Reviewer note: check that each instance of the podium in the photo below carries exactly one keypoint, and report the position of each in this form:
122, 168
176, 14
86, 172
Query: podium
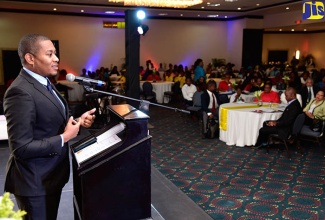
113, 181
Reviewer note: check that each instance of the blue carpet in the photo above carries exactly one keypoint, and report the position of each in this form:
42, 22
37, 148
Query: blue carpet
230, 182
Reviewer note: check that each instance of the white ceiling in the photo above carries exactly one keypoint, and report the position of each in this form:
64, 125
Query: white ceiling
225, 10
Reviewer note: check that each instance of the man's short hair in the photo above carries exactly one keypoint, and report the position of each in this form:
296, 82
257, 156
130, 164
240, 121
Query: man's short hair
211, 82
28, 44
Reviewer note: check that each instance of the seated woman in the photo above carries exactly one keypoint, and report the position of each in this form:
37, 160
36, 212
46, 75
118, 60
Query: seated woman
225, 85
238, 96
153, 76
315, 108
268, 95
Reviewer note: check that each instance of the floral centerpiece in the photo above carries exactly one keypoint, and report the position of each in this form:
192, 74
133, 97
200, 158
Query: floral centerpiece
286, 80
257, 94
6, 209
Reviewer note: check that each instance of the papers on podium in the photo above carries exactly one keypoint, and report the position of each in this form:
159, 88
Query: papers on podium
97, 144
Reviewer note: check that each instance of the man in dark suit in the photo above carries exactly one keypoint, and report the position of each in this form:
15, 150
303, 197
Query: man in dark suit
283, 125
308, 92
38, 129
210, 104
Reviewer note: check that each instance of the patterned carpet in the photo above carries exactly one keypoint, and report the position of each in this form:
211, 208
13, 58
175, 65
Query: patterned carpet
236, 183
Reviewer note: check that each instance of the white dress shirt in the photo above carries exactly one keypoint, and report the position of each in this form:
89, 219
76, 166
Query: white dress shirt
188, 91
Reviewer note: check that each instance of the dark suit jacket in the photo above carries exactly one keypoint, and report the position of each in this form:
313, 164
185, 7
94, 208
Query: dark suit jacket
304, 94
285, 122
38, 164
205, 100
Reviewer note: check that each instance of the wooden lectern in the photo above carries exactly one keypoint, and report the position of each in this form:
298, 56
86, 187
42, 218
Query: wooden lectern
111, 169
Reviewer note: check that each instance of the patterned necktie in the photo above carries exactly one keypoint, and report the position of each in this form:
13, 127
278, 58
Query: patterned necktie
309, 94
50, 89
213, 110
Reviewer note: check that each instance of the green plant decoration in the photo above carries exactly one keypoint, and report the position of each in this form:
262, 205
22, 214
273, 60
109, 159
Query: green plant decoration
6, 208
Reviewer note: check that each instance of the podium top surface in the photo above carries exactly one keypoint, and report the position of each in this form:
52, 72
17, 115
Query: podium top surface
127, 112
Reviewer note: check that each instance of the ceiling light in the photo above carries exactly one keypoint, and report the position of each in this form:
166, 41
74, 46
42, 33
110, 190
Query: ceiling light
109, 12
239, 8
305, 29
287, 8
181, 14
292, 29
82, 11
141, 14
159, 3
142, 29
208, 3
230, 0
54, 9
213, 5
202, 7
213, 16
163, 14
257, 4
280, 29
198, 15
226, 16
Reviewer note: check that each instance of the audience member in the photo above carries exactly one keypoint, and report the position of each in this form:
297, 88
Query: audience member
308, 92
210, 106
225, 85
114, 71
268, 95
238, 96
283, 125
257, 85
62, 75
188, 91
198, 70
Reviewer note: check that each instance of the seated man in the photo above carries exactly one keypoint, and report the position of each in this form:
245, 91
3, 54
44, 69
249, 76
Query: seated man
210, 106
268, 95
283, 125
188, 91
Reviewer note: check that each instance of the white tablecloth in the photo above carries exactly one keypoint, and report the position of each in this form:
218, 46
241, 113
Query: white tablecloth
243, 124
159, 88
77, 91
3, 128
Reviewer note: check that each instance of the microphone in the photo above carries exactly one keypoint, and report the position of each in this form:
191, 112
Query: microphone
84, 81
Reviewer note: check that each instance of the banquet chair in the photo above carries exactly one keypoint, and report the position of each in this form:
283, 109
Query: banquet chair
307, 134
148, 93
197, 106
286, 140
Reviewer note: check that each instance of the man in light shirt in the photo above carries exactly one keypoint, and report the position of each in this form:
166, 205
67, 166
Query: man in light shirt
188, 91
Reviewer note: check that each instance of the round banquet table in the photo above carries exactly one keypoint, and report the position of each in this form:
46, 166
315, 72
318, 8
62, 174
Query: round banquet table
239, 124
159, 88
77, 91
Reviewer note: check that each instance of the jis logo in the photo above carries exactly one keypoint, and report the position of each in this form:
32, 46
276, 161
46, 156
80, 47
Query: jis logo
313, 10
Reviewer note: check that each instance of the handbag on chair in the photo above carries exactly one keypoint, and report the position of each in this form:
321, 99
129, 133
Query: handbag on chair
317, 125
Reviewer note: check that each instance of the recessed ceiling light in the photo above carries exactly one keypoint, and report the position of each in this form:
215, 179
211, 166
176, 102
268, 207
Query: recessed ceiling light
198, 15
230, 0
213, 5
239, 8
82, 11
202, 7
208, 3
226, 16
287, 8
292, 29
163, 14
305, 29
213, 16
280, 30
181, 14
257, 4
109, 12
54, 9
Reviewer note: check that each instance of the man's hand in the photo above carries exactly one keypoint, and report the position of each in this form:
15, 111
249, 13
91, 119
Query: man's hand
71, 130
271, 123
87, 119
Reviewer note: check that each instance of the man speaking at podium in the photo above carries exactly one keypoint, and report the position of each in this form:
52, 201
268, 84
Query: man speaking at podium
39, 128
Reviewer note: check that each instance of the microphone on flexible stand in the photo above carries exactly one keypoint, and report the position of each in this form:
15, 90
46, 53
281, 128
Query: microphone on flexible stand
84, 81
